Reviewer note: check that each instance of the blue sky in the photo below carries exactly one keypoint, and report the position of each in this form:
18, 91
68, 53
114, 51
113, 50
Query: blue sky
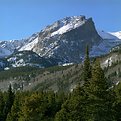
21, 18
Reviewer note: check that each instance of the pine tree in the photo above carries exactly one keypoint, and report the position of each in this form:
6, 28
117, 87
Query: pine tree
15, 110
99, 106
1, 106
73, 108
8, 103
62, 115
87, 66
98, 83
118, 102
34, 107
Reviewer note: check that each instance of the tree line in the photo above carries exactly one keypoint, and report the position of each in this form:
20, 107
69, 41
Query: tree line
96, 100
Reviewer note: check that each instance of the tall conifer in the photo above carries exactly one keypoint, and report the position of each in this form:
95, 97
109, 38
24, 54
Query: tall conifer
99, 106
8, 103
87, 67
1, 106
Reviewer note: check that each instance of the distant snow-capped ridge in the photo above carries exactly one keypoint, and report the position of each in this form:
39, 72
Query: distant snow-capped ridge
117, 34
9, 46
110, 40
106, 35
109, 35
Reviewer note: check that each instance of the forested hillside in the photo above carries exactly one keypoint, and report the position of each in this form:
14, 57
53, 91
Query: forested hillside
95, 100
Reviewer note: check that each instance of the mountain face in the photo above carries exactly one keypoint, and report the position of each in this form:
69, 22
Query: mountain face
29, 58
117, 34
9, 47
107, 35
3, 64
65, 41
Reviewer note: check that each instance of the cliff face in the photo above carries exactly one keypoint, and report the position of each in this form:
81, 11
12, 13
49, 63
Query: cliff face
67, 42
77, 39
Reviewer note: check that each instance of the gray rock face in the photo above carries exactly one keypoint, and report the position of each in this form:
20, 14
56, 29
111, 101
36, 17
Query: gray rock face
67, 40
9, 47
30, 58
64, 40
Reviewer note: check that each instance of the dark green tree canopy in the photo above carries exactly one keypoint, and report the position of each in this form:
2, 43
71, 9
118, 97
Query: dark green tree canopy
87, 66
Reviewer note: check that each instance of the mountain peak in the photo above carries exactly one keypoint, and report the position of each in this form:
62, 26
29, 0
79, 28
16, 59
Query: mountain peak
65, 40
66, 24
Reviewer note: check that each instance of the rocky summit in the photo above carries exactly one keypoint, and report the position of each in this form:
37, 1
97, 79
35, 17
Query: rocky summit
65, 40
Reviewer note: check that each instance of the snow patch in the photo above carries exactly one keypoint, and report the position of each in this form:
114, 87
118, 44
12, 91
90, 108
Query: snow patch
67, 64
117, 34
30, 45
104, 47
106, 35
7, 68
67, 28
